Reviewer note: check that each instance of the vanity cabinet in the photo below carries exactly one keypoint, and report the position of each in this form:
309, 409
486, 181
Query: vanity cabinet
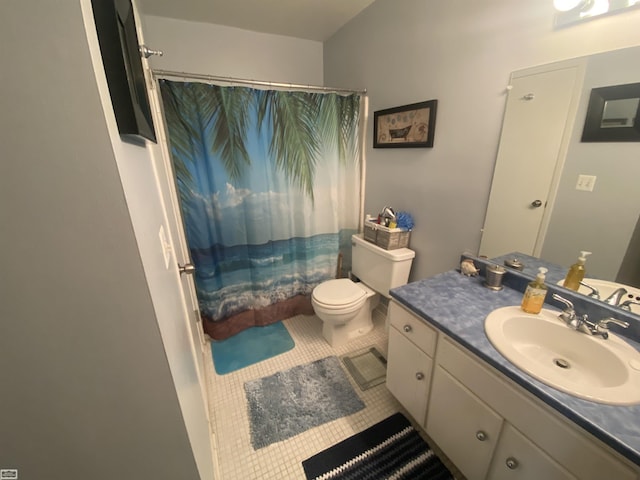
478, 440
530, 442
410, 360
488, 426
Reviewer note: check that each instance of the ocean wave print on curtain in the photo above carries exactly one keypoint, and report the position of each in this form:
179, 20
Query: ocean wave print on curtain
269, 186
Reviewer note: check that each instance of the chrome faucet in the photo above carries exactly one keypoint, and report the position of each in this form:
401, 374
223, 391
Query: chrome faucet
568, 315
616, 296
582, 323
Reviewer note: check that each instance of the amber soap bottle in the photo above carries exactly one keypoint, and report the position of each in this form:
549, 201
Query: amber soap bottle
535, 293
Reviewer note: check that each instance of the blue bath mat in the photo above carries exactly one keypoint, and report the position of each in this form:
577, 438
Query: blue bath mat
250, 346
290, 402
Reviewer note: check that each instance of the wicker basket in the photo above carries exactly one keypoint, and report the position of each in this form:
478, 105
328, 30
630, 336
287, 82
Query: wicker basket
385, 237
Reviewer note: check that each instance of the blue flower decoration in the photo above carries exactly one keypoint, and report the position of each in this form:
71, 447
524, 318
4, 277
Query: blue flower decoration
404, 220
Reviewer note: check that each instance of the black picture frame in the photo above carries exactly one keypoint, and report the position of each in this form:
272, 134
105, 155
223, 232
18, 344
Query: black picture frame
407, 126
618, 130
120, 50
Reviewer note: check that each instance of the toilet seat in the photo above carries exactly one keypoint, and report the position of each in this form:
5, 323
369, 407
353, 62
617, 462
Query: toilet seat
338, 294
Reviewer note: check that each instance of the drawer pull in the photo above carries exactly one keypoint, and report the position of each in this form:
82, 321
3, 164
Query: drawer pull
511, 463
480, 435
420, 376
407, 328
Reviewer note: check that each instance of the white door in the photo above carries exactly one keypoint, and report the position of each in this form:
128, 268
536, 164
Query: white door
535, 123
177, 254
178, 242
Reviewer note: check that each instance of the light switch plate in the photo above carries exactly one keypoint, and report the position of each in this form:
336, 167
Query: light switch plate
586, 182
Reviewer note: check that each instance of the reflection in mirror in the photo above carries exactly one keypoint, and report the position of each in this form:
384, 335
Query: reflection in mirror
619, 113
591, 200
623, 296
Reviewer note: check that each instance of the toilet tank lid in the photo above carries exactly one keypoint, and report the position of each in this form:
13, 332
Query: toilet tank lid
397, 255
341, 291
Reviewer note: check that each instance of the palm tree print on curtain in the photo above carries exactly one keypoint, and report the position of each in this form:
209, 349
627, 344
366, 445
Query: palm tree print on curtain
269, 185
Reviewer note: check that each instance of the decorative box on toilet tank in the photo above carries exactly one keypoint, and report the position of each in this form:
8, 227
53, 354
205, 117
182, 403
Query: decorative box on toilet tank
385, 237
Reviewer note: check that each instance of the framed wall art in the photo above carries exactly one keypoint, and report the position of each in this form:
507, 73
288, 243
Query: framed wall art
407, 126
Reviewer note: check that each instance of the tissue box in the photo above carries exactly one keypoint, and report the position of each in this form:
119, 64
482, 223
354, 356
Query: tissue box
385, 237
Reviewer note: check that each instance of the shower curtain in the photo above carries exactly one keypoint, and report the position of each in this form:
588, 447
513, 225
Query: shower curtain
269, 187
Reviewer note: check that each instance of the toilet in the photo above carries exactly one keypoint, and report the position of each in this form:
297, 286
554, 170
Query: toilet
345, 306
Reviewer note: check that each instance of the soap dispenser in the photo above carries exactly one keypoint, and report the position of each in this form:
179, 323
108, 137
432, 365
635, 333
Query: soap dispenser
576, 272
535, 293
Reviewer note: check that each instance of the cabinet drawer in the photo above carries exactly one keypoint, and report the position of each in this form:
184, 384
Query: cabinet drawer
579, 452
414, 328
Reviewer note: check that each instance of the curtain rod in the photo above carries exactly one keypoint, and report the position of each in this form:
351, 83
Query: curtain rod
199, 76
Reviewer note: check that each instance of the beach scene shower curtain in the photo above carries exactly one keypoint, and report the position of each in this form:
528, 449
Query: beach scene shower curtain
269, 187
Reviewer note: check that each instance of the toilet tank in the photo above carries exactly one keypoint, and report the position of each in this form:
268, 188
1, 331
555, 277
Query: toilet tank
378, 268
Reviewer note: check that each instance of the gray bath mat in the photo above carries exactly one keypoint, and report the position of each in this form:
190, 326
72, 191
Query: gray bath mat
367, 367
290, 402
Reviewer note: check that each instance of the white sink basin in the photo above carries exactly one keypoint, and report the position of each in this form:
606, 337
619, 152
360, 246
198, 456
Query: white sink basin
589, 367
606, 288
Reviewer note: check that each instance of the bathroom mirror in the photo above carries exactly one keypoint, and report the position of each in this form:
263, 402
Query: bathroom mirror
605, 219
613, 114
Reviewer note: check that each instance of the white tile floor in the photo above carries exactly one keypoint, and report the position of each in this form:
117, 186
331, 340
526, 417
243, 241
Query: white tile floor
237, 460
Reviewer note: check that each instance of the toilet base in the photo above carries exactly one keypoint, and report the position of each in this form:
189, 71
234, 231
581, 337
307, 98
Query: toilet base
361, 324
337, 336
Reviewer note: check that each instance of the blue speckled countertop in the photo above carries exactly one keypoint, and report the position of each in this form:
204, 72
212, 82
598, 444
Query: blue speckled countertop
458, 305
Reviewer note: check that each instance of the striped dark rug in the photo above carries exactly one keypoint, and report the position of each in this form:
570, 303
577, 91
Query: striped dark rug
391, 449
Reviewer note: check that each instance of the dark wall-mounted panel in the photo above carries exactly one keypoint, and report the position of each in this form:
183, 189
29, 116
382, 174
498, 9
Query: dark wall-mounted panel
116, 27
613, 114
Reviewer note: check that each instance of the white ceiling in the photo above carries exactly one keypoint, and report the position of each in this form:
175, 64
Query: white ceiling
309, 19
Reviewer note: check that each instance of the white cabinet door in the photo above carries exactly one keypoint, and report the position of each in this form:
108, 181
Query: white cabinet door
517, 458
408, 374
463, 426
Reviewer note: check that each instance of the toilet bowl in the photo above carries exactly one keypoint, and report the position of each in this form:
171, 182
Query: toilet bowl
345, 306
345, 309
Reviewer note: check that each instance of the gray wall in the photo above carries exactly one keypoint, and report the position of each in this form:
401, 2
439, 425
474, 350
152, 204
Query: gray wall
461, 53
601, 221
87, 392
195, 47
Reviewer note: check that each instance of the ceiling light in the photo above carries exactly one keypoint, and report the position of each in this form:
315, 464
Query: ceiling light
598, 7
567, 5
574, 11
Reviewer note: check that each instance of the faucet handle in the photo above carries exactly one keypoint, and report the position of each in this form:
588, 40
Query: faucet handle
626, 305
568, 303
604, 323
594, 293
568, 315
602, 327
